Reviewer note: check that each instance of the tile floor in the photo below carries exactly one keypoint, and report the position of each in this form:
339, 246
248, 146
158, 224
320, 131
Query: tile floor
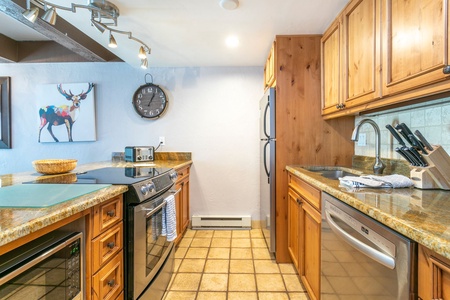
230, 265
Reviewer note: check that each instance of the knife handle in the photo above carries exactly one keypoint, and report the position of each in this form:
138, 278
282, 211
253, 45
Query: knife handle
417, 143
403, 133
412, 158
400, 151
422, 161
424, 140
395, 134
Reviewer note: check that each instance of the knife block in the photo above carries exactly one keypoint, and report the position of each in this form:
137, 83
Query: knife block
437, 174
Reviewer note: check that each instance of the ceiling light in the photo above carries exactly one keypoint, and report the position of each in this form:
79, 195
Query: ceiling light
229, 4
142, 53
50, 16
112, 41
31, 14
98, 26
144, 63
232, 41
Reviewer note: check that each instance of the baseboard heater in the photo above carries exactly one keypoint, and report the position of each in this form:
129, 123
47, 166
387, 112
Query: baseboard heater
221, 222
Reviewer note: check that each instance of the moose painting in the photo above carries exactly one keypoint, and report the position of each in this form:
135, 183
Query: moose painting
63, 105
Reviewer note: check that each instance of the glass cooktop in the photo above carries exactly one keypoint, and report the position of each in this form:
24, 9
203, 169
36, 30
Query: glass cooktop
109, 175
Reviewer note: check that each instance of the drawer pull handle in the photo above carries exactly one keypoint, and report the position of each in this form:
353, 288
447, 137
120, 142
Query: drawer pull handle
111, 283
111, 245
299, 201
111, 213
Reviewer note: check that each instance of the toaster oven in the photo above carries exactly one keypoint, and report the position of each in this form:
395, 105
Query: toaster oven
139, 153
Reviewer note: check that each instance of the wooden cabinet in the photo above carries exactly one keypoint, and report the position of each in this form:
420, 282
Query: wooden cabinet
304, 237
390, 52
104, 254
182, 202
269, 69
433, 275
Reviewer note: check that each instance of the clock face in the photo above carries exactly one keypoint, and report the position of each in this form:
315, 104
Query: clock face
150, 101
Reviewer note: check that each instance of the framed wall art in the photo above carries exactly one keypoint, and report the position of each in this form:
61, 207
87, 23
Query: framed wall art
5, 112
66, 112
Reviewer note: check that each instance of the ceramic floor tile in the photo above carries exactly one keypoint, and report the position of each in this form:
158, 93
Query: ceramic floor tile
241, 266
222, 234
272, 296
214, 282
189, 233
270, 283
242, 296
292, 283
261, 253
241, 234
240, 243
217, 266
204, 233
256, 233
197, 253
192, 265
241, 253
185, 242
242, 283
212, 296
180, 252
186, 282
172, 295
201, 242
266, 266
215, 253
221, 243
259, 243
287, 268
298, 296
177, 263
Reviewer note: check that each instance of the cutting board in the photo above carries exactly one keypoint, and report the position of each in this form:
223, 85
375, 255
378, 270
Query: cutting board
43, 195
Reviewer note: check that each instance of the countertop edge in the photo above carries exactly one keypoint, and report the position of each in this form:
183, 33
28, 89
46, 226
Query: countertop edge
421, 236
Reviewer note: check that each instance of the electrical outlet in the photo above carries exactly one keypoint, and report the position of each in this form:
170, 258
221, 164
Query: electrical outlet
362, 140
162, 141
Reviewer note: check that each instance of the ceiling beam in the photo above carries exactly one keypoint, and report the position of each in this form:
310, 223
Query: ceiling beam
62, 33
8, 50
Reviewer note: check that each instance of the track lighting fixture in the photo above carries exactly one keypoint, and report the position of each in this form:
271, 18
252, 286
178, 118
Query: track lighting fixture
104, 14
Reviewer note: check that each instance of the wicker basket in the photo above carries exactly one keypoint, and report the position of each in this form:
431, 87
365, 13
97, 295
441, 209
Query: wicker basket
54, 166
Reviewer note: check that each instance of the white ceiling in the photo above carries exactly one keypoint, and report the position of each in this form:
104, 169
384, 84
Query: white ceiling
187, 33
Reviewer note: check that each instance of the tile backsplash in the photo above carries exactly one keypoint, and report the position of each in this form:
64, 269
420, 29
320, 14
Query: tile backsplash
432, 119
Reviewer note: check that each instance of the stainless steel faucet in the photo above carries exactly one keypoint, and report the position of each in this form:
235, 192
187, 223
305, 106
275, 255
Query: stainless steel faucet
379, 166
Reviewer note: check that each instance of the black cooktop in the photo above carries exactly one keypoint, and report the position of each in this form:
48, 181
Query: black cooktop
109, 175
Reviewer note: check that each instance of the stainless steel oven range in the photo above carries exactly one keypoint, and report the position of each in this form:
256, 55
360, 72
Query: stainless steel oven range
148, 254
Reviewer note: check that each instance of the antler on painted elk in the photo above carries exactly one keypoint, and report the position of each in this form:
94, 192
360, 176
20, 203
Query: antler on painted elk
64, 114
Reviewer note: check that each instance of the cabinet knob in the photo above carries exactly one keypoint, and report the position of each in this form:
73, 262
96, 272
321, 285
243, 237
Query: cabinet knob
111, 245
342, 105
111, 283
446, 69
299, 201
111, 213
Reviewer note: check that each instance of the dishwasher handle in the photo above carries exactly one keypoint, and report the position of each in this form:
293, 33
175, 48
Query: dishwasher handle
374, 254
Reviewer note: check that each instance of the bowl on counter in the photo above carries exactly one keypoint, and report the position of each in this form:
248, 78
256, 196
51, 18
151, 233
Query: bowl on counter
54, 166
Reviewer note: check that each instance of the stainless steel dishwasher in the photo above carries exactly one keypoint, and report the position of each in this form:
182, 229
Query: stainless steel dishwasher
363, 259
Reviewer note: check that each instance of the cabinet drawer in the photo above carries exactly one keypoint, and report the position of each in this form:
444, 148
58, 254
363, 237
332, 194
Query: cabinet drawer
106, 245
105, 215
108, 282
183, 173
307, 191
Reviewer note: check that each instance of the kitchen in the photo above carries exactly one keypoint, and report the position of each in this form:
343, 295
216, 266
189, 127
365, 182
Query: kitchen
214, 145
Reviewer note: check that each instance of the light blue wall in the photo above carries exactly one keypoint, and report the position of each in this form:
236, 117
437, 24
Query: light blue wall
213, 113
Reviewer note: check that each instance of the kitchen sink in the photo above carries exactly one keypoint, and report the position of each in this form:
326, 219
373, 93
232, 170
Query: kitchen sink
334, 173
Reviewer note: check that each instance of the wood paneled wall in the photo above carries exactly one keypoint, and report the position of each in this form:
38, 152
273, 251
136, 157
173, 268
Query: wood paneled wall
303, 137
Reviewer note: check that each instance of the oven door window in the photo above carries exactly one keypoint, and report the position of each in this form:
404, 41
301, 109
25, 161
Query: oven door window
156, 244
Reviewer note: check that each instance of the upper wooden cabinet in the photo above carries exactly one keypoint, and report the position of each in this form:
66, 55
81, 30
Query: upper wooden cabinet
415, 39
390, 51
269, 69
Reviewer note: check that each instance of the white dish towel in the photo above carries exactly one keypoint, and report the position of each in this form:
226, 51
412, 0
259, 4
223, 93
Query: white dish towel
389, 181
169, 219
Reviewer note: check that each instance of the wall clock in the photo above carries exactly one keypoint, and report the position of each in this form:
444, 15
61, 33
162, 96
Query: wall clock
150, 101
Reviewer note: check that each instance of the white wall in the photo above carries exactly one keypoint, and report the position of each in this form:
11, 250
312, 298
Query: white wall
213, 113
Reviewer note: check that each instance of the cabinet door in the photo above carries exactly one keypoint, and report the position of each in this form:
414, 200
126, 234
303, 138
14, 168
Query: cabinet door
331, 68
415, 37
269, 69
310, 222
433, 275
361, 52
185, 206
293, 226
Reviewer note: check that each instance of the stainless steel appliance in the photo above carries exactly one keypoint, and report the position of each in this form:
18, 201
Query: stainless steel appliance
363, 259
267, 164
50, 267
148, 254
142, 153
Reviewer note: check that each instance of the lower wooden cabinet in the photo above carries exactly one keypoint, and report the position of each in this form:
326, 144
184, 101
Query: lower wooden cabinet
104, 249
182, 202
304, 221
433, 275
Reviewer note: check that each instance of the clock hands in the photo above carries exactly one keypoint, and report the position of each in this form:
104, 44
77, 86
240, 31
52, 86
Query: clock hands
151, 99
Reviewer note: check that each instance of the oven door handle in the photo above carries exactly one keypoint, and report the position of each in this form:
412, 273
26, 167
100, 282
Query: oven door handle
174, 192
152, 211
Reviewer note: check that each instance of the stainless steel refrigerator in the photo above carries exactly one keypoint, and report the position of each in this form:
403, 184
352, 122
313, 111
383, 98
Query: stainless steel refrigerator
267, 166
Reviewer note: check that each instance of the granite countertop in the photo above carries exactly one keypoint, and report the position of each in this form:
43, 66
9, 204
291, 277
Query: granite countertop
16, 223
421, 215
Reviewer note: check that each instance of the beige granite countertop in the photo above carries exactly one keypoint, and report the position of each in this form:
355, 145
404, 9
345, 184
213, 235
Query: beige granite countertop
421, 215
16, 223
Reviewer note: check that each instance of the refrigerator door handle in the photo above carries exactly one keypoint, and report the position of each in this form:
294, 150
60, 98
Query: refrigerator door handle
265, 161
265, 120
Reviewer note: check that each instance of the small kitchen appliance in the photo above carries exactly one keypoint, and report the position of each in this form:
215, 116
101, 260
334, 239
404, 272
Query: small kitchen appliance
139, 153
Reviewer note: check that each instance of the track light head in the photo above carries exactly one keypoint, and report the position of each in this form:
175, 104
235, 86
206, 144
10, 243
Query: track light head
31, 14
98, 26
50, 16
112, 41
144, 63
142, 53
